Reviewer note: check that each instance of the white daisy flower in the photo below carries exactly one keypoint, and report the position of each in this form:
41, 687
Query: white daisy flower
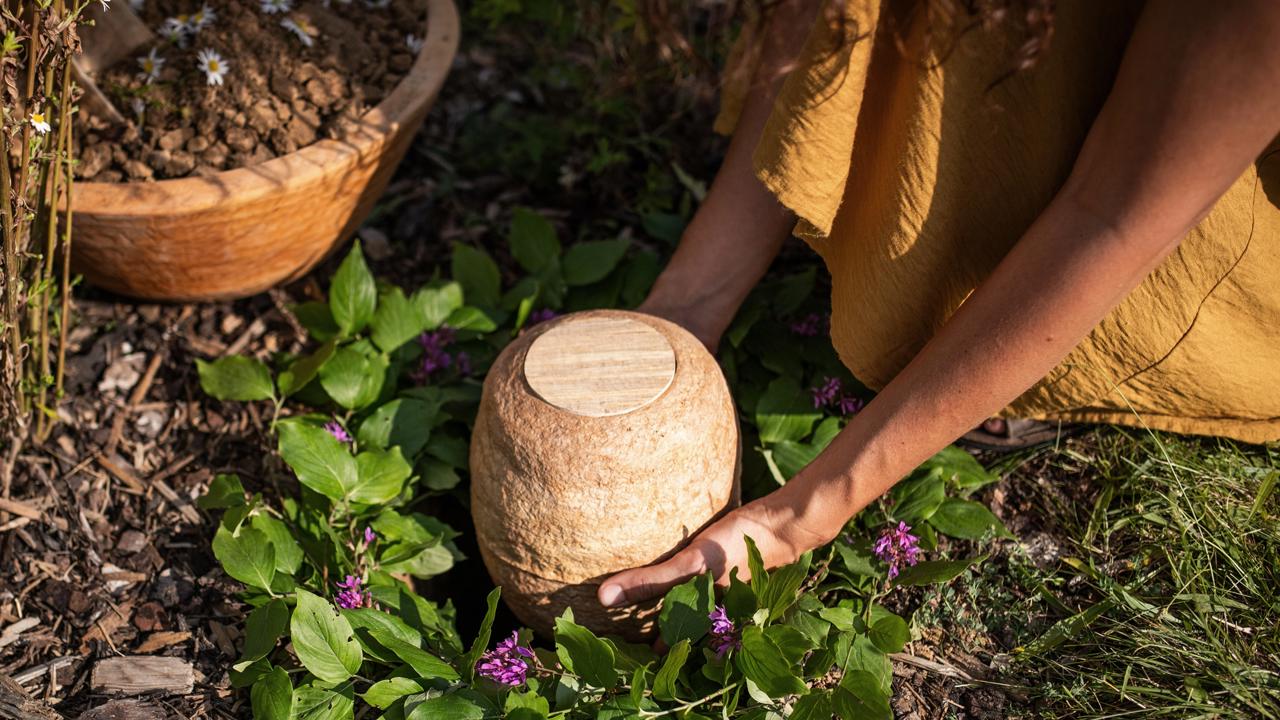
150, 64
139, 108
271, 7
305, 31
413, 42
201, 19
176, 30
39, 123
213, 65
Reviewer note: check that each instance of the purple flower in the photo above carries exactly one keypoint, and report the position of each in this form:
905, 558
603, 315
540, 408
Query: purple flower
897, 546
808, 326
849, 405
337, 431
539, 316
369, 536
434, 356
507, 663
351, 596
724, 636
826, 394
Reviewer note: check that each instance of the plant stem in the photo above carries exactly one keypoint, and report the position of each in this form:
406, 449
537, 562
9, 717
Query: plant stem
689, 705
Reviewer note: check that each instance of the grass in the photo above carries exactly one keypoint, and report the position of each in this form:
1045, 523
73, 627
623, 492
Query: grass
1167, 595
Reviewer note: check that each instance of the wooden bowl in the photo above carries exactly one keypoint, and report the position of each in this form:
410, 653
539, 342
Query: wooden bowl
242, 231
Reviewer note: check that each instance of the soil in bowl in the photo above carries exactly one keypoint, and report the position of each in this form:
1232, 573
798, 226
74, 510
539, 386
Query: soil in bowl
283, 75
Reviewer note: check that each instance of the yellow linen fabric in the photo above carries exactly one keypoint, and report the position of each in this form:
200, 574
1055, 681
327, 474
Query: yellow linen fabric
913, 179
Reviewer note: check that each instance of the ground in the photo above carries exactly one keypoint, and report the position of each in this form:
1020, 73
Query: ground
1174, 542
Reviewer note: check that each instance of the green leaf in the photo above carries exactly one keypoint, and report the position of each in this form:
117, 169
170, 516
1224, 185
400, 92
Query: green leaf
403, 422
236, 377
478, 275
890, 633
425, 664
453, 706
960, 469
763, 663
965, 519
385, 692
262, 629
451, 449
785, 412
353, 294
438, 475
815, 706
585, 654
272, 696
784, 583
246, 555
685, 610
639, 274
317, 703
917, 498
740, 601
396, 321
664, 683
323, 639
533, 240
590, 262
859, 698
935, 571
352, 379
759, 577
471, 318
319, 460
526, 706
436, 301
225, 491
482, 637
318, 320
288, 551
304, 369
382, 474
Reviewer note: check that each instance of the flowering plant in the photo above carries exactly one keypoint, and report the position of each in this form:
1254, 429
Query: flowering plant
395, 377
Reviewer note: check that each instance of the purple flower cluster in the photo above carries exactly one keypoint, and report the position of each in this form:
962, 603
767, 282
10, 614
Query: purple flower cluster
831, 394
507, 663
436, 358
352, 596
337, 431
897, 547
810, 325
369, 536
724, 636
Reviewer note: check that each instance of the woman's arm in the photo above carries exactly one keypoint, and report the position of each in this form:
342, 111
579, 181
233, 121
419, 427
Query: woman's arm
1197, 99
740, 225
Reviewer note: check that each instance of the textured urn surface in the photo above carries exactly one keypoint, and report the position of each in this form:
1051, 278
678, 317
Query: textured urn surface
562, 499
239, 232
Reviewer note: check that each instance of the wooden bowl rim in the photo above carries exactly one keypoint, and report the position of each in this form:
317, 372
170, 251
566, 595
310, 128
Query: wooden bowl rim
295, 169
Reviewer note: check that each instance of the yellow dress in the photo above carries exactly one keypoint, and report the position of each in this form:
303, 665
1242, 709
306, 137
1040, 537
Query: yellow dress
913, 179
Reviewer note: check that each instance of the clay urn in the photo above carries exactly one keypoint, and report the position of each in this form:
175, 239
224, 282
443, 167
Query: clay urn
605, 440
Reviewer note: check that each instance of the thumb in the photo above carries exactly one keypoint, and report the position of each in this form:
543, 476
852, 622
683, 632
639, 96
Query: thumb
633, 586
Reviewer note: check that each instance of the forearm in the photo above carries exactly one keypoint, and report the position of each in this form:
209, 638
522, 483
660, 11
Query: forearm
740, 226
1057, 284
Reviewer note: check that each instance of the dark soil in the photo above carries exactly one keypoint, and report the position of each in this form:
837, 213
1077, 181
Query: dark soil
277, 95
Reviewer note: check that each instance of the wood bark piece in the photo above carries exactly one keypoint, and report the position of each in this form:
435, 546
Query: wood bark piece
242, 231
137, 674
16, 704
125, 710
562, 498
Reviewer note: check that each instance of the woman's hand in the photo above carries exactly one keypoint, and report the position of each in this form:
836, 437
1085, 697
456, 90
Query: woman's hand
771, 522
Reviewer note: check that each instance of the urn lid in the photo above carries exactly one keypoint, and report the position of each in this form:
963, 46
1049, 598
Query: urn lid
600, 366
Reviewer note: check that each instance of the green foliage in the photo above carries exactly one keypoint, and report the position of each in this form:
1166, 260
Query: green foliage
384, 429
